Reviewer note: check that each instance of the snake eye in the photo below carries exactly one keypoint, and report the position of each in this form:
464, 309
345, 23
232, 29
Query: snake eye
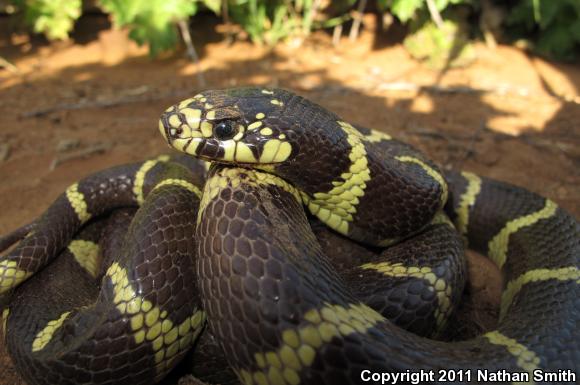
224, 130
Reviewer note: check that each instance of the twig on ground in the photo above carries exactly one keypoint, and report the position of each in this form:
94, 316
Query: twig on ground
355, 29
227, 22
470, 148
4, 151
103, 103
336, 34
97, 148
191, 52
9, 66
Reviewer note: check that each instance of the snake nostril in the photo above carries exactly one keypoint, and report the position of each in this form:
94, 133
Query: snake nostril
175, 132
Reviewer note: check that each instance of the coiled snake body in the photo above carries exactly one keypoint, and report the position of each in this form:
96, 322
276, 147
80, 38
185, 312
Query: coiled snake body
282, 313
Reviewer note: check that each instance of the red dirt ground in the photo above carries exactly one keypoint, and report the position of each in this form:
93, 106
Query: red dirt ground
101, 91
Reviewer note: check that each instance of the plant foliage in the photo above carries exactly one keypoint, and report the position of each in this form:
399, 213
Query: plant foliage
54, 18
150, 21
553, 26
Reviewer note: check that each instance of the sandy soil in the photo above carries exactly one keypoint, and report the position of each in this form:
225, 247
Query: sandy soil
509, 116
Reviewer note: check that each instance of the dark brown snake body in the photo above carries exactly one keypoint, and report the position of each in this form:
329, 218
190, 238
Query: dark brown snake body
274, 301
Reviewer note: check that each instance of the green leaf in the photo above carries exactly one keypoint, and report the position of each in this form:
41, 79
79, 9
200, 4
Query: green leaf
213, 5
405, 9
150, 22
54, 18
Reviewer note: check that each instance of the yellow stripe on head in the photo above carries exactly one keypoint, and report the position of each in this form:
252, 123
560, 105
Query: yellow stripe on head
498, 246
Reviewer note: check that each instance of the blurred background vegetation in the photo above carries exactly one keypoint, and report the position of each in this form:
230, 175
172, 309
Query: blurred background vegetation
438, 31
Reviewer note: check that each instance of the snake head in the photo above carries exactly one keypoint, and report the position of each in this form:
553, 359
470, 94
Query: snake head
241, 126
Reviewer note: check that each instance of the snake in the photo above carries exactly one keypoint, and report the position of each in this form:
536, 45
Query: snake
284, 309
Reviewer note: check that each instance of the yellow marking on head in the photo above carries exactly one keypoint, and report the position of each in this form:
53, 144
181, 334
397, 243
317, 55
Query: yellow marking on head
282, 136
149, 323
467, 200
269, 151
140, 179
284, 365
192, 117
254, 125
45, 335
244, 153
376, 136
206, 129
78, 203
181, 183
210, 115
498, 246
238, 136
208, 106
537, 275
11, 276
526, 359
337, 206
442, 289
185, 103
5, 314
260, 115
86, 253
229, 147
268, 92
174, 120
162, 130
276, 102
430, 171
206, 165
266, 131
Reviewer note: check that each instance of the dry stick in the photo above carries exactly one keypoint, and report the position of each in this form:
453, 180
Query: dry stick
9, 66
354, 30
311, 17
435, 15
4, 151
102, 103
227, 22
85, 152
469, 150
191, 53
336, 33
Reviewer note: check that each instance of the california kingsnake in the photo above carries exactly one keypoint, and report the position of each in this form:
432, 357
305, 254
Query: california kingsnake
281, 312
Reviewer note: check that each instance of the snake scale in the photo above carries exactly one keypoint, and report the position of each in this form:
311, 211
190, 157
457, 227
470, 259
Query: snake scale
233, 244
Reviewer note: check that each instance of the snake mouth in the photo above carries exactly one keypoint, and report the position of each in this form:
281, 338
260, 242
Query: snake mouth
231, 151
